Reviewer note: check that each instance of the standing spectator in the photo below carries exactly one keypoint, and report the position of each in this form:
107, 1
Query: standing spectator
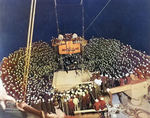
66, 107
56, 103
76, 102
62, 102
102, 105
71, 107
87, 99
43, 106
84, 101
48, 106
97, 91
96, 105
52, 105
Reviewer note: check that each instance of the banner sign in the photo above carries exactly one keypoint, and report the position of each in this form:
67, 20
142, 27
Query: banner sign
69, 48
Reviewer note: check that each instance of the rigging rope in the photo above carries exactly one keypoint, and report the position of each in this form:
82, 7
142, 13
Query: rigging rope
47, 24
28, 49
82, 18
97, 15
67, 4
92, 25
82, 47
56, 17
81, 3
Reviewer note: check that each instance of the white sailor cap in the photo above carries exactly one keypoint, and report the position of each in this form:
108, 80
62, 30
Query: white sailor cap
101, 98
96, 100
127, 74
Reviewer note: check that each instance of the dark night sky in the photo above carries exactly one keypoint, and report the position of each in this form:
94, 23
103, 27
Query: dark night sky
124, 20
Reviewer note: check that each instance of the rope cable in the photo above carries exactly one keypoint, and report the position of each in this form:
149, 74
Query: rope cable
92, 25
81, 3
56, 17
47, 24
29, 44
82, 18
97, 15
27, 48
68, 4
